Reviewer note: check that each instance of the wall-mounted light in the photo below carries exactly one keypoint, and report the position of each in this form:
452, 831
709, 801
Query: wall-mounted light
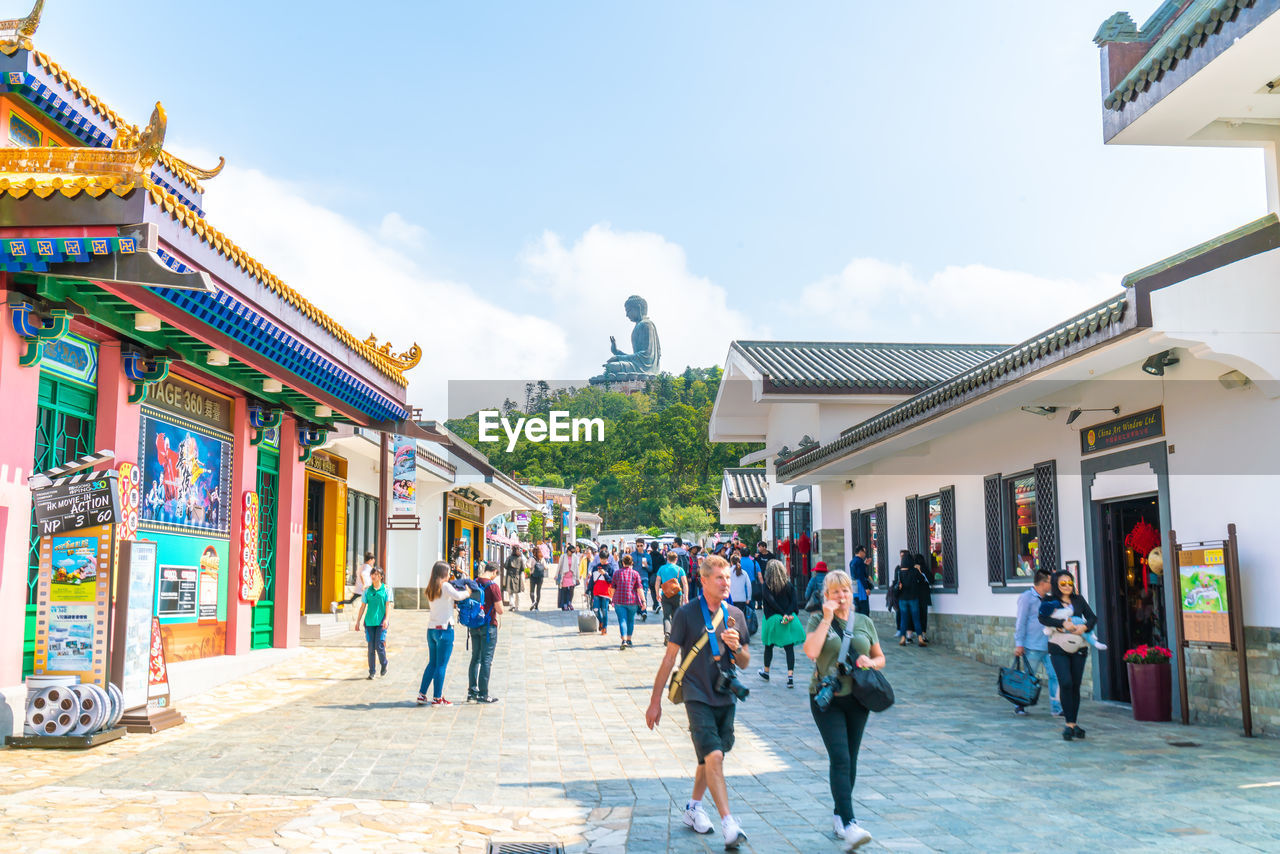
324, 412
145, 321
1045, 411
272, 386
1157, 363
217, 359
1075, 413
1234, 379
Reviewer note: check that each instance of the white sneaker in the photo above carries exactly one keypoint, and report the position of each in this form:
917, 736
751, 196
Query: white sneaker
733, 835
697, 819
838, 825
855, 837
333, 607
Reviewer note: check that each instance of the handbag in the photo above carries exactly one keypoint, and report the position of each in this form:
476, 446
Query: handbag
871, 689
753, 623
1069, 642
1018, 684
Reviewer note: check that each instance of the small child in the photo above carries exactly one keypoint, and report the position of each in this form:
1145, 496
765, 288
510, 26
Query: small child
1066, 614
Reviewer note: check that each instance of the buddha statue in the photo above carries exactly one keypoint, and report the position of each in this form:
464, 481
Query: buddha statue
642, 362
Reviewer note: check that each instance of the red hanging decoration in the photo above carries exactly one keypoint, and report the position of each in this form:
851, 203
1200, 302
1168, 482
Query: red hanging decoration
1142, 539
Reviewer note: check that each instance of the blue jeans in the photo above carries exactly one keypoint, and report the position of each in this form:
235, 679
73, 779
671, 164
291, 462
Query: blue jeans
375, 637
600, 604
910, 616
1038, 658
483, 641
626, 619
439, 648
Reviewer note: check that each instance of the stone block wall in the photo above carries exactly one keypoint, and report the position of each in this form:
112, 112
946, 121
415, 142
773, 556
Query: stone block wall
1213, 683
406, 598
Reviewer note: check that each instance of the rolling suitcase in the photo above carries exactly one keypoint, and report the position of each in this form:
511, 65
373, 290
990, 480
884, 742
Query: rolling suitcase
588, 622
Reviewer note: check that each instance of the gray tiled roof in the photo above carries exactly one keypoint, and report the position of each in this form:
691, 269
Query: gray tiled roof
859, 367
1093, 327
746, 487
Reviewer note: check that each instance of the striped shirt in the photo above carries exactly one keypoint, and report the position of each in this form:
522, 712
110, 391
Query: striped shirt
628, 588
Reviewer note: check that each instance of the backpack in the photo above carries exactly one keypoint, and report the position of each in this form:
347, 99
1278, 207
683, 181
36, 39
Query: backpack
471, 612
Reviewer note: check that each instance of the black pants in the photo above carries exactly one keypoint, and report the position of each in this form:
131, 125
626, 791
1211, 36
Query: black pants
789, 649
535, 589
670, 604
1069, 668
653, 591
862, 606
841, 727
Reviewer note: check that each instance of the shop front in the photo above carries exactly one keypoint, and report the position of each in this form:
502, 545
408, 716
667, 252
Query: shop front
463, 532
324, 568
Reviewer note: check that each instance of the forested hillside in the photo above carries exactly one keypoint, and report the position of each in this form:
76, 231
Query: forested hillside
655, 455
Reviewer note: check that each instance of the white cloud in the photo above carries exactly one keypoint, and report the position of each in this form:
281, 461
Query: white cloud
370, 285
588, 282
872, 300
396, 229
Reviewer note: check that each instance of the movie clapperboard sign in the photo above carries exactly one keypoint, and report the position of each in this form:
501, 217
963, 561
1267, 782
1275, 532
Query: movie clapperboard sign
79, 501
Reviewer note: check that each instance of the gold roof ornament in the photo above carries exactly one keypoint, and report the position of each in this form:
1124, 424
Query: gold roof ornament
130, 159
406, 360
16, 33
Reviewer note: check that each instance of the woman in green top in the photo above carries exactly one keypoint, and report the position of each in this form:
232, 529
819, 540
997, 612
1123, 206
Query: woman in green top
842, 723
376, 602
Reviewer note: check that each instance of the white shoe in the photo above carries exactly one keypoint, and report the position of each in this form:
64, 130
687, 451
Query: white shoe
697, 819
855, 837
1099, 645
333, 607
838, 825
733, 835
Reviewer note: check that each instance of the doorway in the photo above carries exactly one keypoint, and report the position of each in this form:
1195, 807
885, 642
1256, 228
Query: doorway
313, 596
1132, 607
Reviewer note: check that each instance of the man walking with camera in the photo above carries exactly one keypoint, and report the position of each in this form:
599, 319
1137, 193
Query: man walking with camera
711, 637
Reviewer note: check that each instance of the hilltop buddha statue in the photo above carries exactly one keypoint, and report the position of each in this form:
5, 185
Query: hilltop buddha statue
642, 362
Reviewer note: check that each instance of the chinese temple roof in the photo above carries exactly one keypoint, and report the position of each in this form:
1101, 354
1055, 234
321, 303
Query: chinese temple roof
843, 367
746, 487
118, 160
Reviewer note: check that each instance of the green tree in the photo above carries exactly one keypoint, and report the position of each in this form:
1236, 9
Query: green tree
687, 520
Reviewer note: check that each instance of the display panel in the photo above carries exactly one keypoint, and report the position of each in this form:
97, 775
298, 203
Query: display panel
186, 474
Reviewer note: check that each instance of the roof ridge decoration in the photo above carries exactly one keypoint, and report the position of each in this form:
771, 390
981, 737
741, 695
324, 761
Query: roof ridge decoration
407, 359
130, 159
16, 33
185, 172
1176, 29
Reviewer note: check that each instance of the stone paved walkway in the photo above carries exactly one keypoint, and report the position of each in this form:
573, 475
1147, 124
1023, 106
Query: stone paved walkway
308, 755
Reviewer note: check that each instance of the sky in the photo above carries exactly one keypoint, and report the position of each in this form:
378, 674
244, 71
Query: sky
492, 180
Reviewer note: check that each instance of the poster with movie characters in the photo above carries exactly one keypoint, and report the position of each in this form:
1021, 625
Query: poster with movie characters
186, 474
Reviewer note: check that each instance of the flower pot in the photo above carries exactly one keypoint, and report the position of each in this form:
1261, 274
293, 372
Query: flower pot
1151, 690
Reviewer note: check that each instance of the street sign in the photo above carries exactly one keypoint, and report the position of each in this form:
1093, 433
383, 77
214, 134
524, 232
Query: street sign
80, 501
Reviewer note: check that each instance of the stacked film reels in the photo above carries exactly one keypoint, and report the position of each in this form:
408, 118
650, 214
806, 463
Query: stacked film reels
73, 709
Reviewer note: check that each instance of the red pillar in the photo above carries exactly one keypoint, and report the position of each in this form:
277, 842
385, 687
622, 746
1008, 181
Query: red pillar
119, 422
19, 398
244, 478
289, 538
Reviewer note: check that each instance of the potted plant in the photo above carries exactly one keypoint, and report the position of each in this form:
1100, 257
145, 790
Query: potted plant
1150, 684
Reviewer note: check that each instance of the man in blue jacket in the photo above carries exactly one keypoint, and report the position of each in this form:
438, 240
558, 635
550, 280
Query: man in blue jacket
1030, 640
861, 576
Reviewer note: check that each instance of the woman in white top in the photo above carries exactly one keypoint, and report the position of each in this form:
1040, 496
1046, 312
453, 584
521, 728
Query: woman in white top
441, 596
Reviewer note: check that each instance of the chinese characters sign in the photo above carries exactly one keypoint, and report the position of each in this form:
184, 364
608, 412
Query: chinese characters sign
251, 581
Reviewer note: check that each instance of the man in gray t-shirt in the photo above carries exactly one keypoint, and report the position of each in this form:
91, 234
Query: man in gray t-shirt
710, 712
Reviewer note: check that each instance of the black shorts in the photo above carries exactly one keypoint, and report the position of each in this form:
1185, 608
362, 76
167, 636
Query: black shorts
710, 727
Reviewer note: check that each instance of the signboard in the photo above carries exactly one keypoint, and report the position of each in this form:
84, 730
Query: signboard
77, 502
177, 593
1138, 427
458, 506
73, 593
193, 402
404, 476
1202, 587
210, 569
157, 669
133, 626
251, 580
327, 464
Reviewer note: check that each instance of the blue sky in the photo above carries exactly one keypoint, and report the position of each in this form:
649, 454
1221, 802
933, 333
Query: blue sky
806, 171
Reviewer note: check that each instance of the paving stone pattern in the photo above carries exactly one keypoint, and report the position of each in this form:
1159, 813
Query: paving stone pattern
308, 755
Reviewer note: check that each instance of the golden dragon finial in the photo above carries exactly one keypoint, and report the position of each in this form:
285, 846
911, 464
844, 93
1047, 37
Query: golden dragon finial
22, 29
406, 360
197, 171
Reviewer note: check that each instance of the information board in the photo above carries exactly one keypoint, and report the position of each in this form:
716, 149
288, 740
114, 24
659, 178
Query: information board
177, 591
76, 503
72, 597
137, 579
1202, 586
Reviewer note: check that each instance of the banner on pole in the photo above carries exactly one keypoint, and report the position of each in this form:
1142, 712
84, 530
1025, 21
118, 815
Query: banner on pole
404, 500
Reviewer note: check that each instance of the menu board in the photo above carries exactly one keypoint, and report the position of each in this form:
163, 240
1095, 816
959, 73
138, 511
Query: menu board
177, 592
1202, 585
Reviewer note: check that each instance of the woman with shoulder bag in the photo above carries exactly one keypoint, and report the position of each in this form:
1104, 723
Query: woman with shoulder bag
441, 597
840, 717
781, 619
911, 585
1067, 647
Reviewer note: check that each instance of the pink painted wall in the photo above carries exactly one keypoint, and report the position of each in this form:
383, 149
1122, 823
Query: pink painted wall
289, 542
19, 395
119, 421
244, 478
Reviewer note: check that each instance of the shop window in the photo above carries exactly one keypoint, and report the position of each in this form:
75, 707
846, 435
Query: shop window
1022, 524
362, 530
931, 533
